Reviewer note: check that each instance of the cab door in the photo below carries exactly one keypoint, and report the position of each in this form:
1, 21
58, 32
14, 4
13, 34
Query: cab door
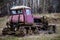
29, 16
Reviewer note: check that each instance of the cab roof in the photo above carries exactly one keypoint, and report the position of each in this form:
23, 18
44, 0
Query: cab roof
19, 7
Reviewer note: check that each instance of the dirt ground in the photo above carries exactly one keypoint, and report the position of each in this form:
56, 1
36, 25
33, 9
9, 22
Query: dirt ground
52, 18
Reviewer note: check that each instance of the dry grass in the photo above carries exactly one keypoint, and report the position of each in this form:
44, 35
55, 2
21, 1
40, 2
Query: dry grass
35, 37
3, 21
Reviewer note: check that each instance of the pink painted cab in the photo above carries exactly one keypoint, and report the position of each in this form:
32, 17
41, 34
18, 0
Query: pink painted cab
21, 14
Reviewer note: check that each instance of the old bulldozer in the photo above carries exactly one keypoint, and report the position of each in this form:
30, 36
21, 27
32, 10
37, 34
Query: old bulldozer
22, 22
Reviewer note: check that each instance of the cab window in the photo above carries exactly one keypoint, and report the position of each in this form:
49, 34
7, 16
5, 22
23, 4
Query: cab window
28, 12
19, 11
13, 12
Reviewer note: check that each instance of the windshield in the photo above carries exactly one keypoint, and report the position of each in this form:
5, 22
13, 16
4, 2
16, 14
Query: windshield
16, 11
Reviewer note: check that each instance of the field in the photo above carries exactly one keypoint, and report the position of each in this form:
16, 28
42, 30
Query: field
42, 36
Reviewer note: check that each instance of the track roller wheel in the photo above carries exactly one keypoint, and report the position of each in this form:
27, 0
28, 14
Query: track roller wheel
30, 32
5, 31
24, 31
52, 29
21, 32
36, 31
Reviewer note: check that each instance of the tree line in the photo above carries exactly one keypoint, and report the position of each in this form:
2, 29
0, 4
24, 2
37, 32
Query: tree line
38, 6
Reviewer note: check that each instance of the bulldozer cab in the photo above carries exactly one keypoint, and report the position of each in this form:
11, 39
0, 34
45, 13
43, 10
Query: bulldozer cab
21, 13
